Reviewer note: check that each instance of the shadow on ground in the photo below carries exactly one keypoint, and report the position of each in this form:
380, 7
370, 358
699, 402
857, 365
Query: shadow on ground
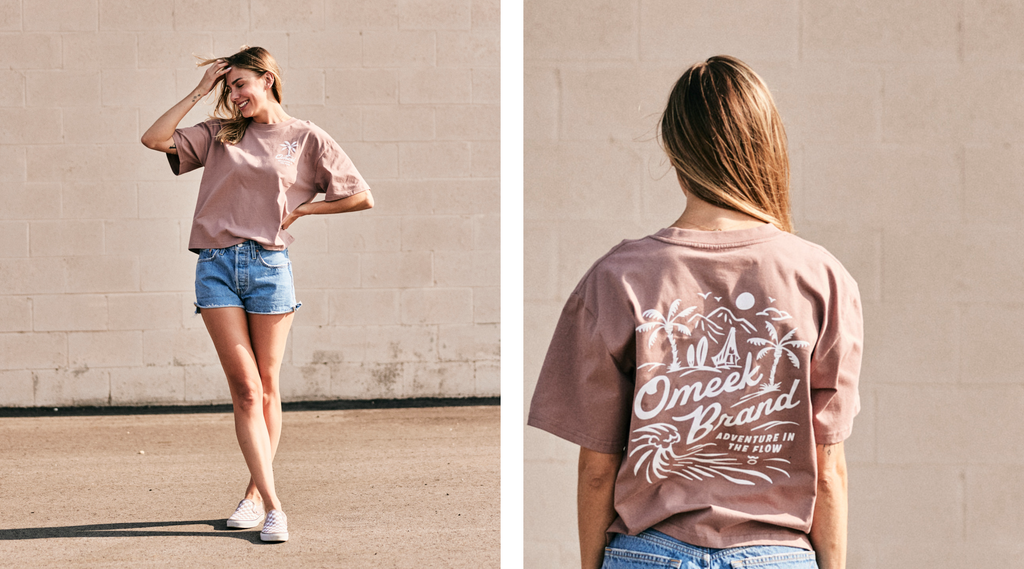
133, 529
363, 488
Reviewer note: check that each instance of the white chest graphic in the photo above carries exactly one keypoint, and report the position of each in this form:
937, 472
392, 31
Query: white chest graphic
289, 151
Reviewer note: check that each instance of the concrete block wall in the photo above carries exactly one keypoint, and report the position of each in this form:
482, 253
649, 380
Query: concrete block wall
906, 138
95, 279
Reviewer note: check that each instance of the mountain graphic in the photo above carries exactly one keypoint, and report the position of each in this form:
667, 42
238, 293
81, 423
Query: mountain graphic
726, 316
706, 325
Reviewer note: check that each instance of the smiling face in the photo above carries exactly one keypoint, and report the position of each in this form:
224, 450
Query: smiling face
249, 91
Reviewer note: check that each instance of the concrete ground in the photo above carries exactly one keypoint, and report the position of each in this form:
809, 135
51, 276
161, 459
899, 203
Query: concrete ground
404, 488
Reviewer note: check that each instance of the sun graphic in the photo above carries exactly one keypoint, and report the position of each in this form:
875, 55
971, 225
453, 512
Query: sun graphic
745, 301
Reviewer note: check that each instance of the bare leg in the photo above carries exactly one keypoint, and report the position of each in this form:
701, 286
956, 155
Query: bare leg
269, 335
229, 329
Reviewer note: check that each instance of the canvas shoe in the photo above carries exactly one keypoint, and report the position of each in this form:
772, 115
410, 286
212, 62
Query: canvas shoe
276, 527
247, 515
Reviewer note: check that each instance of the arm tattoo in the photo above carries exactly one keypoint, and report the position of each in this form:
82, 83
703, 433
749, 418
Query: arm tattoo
174, 148
195, 97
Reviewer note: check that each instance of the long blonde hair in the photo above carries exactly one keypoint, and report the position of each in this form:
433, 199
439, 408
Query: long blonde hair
255, 59
725, 139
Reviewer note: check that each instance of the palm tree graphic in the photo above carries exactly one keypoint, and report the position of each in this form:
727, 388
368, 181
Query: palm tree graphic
778, 347
669, 326
288, 148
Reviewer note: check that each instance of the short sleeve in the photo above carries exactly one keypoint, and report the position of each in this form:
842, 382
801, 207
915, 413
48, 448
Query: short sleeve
835, 364
193, 146
583, 395
336, 175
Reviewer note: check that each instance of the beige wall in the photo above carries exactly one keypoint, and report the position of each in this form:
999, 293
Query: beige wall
95, 279
906, 127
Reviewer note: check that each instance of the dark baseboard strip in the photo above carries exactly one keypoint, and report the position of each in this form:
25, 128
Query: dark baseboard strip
341, 404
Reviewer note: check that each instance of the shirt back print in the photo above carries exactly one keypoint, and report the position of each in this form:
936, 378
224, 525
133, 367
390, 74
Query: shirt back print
709, 422
715, 361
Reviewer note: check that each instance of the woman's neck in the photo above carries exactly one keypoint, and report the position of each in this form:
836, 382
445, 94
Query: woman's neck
274, 114
704, 216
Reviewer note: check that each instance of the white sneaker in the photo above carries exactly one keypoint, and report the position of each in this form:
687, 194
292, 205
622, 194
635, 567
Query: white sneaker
247, 515
276, 527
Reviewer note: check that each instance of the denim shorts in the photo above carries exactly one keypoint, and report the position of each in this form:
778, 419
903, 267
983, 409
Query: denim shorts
654, 550
247, 276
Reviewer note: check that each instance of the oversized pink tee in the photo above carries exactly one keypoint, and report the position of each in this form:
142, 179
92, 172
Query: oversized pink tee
249, 188
715, 361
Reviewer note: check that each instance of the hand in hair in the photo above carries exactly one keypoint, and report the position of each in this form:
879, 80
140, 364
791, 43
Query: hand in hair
214, 74
160, 135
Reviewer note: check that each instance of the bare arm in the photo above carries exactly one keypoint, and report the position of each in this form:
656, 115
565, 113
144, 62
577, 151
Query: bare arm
828, 529
595, 504
159, 136
358, 202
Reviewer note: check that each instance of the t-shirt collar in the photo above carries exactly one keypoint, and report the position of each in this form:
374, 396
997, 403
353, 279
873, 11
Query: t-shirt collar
718, 239
271, 126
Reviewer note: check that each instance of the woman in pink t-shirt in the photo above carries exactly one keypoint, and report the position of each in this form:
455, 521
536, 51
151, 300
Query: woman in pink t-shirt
262, 169
709, 371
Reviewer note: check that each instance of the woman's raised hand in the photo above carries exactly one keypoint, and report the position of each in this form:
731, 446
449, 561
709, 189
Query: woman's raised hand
159, 136
214, 73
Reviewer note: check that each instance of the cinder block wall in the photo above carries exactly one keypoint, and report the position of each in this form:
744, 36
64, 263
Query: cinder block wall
95, 278
906, 131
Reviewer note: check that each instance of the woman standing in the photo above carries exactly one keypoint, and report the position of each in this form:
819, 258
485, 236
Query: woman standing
709, 371
262, 168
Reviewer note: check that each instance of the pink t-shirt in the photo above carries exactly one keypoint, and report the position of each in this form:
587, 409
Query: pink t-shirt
715, 361
249, 188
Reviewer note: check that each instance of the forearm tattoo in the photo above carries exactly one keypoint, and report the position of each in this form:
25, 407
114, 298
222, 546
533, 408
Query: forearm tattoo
196, 97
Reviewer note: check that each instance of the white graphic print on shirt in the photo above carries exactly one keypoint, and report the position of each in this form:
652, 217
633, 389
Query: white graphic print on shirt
744, 451
288, 149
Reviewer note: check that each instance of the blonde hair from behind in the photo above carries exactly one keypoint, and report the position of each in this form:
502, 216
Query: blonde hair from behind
255, 59
725, 139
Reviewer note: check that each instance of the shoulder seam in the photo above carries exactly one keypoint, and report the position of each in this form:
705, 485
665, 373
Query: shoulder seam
601, 259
